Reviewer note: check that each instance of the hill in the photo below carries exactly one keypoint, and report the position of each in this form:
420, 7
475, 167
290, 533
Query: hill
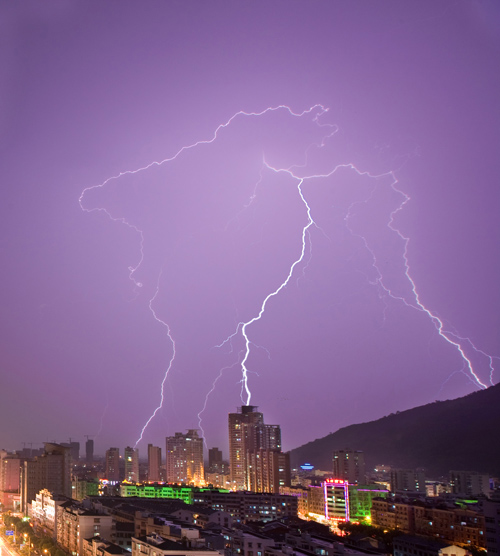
462, 434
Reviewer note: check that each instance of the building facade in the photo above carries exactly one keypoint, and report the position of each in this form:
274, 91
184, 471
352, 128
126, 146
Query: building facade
407, 480
184, 458
113, 464
10, 481
451, 524
349, 466
74, 524
154, 464
131, 456
51, 471
249, 506
256, 462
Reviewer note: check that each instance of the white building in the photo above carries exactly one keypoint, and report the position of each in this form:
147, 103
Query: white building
154, 545
74, 524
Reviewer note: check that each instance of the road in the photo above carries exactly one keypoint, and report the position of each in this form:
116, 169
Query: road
5, 549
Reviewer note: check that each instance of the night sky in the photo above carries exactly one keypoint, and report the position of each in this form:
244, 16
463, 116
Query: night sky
166, 166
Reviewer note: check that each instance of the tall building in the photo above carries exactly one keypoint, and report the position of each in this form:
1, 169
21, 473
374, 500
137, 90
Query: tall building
113, 464
89, 451
184, 458
411, 480
51, 470
469, 483
74, 450
214, 460
10, 474
154, 463
492, 523
255, 459
131, 465
349, 466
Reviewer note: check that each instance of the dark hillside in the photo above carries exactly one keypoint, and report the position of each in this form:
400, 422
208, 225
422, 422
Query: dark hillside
455, 434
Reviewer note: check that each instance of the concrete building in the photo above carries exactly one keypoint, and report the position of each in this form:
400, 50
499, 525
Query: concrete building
256, 461
469, 483
184, 458
89, 451
452, 524
131, 456
492, 523
218, 480
215, 464
248, 544
113, 464
346, 502
155, 545
168, 529
218, 470
267, 470
249, 506
51, 471
349, 466
154, 464
74, 448
10, 481
97, 546
410, 546
44, 512
241, 425
155, 490
75, 523
407, 480
81, 488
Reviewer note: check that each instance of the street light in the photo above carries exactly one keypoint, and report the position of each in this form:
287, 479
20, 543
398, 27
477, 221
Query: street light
25, 535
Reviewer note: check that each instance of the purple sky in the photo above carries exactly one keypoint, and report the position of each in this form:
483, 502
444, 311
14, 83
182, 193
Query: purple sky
93, 89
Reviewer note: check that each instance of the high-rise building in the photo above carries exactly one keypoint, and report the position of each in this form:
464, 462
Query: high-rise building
113, 464
89, 451
469, 483
492, 523
10, 473
255, 459
131, 465
214, 460
349, 466
51, 470
74, 450
411, 480
184, 458
154, 463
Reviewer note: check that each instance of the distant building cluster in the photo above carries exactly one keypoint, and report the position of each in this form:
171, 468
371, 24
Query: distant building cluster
252, 504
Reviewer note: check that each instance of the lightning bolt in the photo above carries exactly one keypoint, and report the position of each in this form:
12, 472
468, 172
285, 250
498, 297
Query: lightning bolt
102, 416
415, 303
212, 389
317, 110
299, 174
170, 363
450, 337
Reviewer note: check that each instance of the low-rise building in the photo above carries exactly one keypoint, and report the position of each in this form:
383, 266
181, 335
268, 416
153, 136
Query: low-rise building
43, 512
155, 545
248, 544
249, 506
97, 546
411, 546
448, 523
74, 524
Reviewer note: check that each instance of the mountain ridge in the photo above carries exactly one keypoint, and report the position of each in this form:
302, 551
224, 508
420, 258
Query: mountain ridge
462, 434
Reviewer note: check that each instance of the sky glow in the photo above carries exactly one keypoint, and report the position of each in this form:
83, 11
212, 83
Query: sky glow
301, 214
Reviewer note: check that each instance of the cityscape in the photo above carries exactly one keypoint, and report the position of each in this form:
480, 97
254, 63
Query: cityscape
61, 501
250, 268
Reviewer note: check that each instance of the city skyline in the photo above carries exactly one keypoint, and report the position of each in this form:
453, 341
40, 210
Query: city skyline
207, 208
